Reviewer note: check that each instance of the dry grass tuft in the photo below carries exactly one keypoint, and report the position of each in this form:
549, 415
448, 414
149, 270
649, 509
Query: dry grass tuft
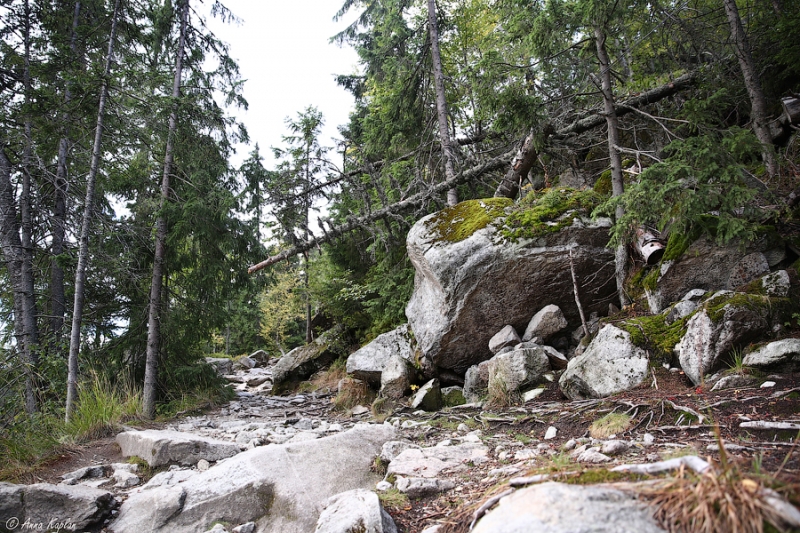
716, 501
611, 424
329, 379
500, 394
353, 392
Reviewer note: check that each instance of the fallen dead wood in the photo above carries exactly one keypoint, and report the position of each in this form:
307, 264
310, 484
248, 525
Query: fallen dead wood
527, 154
358, 222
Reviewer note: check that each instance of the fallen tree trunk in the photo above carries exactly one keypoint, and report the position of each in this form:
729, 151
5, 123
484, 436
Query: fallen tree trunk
522, 162
526, 156
354, 223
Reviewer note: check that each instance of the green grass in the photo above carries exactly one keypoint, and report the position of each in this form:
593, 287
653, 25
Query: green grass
393, 499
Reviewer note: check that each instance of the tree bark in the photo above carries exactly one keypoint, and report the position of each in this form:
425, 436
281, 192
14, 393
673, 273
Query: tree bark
154, 313
441, 103
59, 218
29, 318
617, 186
86, 223
752, 82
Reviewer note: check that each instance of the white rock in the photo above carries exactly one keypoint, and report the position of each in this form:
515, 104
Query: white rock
369, 362
355, 511
768, 384
507, 336
203, 465
550, 433
530, 395
592, 456
418, 487
164, 447
610, 364
545, 323
429, 462
774, 353
614, 447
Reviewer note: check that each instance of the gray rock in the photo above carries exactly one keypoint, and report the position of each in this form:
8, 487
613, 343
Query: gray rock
560, 508
393, 448
476, 382
355, 511
302, 362
428, 397
506, 337
203, 465
452, 396
776, 284
85, 472
260, 357
681, 310
747, 269
774, 354
614, 447
704, 265
125, 479
546, 323
519, 369
396, 378
369, 362
592, 456
610, 364
558, 360
164, 447
61, 506
249, 527
718, 328
244, 363
734, 381
694, 295
430, 462
257, 380
454, 309
419, 487
283, 488
218, 528
222, 366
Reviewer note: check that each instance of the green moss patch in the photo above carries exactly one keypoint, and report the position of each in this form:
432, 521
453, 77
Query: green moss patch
715, 306
544, 212
654, 334
461, 221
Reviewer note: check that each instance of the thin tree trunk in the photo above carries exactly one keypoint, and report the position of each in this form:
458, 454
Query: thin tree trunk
154, 314
86, 224
59, 218
441, 103
617, 186
758, 101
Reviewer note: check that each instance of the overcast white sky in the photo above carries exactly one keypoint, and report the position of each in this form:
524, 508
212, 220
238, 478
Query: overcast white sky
284, 55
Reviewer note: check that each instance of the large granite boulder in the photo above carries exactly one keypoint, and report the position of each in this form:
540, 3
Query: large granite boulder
368, 363
283, 488
611, 363
725, 322
46, 507
471, 281
560, 508
302, 362
163, 447
706, 265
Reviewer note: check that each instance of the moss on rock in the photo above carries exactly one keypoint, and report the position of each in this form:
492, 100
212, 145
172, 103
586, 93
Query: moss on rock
456, 223
548, 211
654, 334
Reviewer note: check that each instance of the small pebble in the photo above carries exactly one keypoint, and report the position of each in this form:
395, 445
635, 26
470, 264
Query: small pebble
768, 384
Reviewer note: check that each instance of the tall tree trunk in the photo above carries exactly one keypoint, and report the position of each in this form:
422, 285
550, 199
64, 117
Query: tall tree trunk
14, 256
617, 186
752, 82
86, 224
441, 103
154, 314
59, 218
29, 317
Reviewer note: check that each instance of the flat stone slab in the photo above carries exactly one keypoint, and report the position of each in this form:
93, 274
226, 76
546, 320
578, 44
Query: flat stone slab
282, 488
165, 447
429, 462
560, 508
46, 507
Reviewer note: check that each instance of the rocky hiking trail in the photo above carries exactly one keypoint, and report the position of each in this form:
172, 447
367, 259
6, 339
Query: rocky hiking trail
438, 468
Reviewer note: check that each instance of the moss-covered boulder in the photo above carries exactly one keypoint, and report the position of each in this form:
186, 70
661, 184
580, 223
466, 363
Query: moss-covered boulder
483, 264
694, 262
726, 321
